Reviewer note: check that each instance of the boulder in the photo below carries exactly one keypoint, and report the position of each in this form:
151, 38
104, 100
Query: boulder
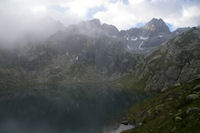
170, 99
192, 109
192, 97
149, 114
178, 118
164, 89
140, 124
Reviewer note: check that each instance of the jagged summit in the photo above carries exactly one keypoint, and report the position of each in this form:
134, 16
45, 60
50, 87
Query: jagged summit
95, 22
152, 34
94, 28
157, 25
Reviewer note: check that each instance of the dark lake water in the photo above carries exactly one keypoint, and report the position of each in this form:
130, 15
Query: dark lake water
74, 108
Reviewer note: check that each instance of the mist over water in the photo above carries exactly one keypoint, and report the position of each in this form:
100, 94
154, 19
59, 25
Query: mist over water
60, 61
70, 109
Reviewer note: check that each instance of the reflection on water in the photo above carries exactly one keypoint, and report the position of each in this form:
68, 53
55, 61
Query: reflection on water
79, 108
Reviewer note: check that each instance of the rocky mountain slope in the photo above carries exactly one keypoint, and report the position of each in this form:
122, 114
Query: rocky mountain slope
95, 52
150, 36
176, 110
176, 62
86, 52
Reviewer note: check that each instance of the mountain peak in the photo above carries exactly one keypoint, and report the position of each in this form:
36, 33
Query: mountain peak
157, 25
95, 22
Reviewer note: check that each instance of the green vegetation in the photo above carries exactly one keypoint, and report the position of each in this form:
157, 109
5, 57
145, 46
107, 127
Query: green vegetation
131, 82
174, 110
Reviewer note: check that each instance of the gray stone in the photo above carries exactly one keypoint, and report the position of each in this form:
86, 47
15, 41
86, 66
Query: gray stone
149, 113
164, 89
192, 97
192, 109
169, 99
178, 118
177, 84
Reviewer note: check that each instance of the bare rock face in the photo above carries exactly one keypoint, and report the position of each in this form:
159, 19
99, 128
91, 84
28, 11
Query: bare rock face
192, 97
177, 61
150, 36
156, 26
192, 110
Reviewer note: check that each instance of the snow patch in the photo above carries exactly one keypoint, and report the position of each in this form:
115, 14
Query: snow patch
144, 38
134, 39
140, 46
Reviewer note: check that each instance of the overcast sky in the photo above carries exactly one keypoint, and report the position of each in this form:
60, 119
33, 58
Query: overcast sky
20, 14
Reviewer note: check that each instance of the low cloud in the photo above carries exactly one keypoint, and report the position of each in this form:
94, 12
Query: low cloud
21, 16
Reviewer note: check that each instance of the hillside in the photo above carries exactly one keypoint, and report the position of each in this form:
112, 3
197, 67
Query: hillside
176, 62
85, 52
176, 110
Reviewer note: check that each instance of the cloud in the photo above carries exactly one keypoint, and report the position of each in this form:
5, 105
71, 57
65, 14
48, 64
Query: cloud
178, 13
18, 16
93, 11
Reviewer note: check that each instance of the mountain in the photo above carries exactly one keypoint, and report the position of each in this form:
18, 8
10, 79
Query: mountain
150, 36
173, 70
87, 72
87, 52
174, 63
156, 26
180, 30
146, 38
93, 28
65, 82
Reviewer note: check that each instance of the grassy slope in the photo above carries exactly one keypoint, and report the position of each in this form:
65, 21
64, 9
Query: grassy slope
169, 111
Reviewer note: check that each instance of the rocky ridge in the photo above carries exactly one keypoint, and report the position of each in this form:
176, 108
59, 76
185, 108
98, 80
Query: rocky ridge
176, 62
